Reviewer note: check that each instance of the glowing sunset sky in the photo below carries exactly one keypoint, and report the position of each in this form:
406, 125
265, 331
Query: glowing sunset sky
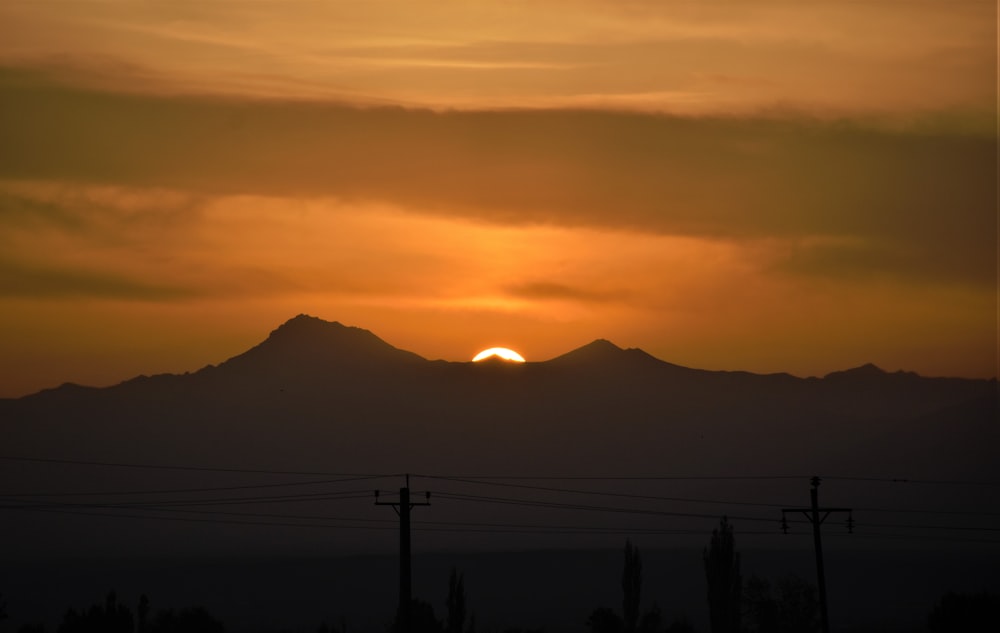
766, 186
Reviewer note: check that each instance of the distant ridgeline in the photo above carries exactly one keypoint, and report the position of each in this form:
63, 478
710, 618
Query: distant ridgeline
320, 402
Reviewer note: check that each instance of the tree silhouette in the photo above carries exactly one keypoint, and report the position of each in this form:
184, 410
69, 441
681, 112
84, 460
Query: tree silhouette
651, 621
456, 603
190, 620
422, 619
605, 620
680, 625
112, 617
792, 608
631, 586
326, 627
142, 614
722, 573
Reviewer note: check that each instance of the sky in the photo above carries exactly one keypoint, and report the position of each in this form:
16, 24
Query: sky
769, 186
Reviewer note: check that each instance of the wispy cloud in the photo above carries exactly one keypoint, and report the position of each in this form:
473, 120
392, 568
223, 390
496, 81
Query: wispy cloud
846, 57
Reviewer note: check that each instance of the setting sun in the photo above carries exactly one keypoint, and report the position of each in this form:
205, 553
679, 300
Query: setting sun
498, 352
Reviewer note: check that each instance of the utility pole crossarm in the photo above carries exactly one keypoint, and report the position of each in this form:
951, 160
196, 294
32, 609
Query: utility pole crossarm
808, 512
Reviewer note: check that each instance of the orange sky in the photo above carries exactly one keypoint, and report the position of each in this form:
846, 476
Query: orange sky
772, 186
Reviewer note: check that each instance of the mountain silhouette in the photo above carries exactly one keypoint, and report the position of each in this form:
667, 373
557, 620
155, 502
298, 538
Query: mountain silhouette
310, 342
603, 355
309, 369
321, 396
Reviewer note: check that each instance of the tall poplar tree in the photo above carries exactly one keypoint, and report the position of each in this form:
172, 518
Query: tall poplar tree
631, 586
456, 603
725, 586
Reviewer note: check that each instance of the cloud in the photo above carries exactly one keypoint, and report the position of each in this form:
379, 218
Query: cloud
19, 280
877, 54
68, 241
860, 260
556, 291
910, 194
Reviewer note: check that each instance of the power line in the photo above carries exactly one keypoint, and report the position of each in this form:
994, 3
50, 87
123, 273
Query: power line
174, 505
460, 528
79, 462
474, 482
734, 477
195, 520
353, 494
319, 496
904, 480
710, 478
570, 506
615, 477
913, 537
935, 527
180, 490
924, 511
622, 495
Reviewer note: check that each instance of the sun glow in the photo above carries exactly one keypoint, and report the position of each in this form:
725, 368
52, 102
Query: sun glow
498, 352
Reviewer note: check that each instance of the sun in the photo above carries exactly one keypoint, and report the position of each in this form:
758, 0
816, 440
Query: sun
498, 352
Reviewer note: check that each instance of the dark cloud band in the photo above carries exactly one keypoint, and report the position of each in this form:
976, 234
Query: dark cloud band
923, 195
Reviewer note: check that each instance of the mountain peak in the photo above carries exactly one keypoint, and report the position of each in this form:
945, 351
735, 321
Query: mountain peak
599, 349
602, 352
866, 371
602, 346
305, 325
308, 340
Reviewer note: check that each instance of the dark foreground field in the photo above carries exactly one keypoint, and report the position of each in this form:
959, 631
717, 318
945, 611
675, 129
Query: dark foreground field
554, 591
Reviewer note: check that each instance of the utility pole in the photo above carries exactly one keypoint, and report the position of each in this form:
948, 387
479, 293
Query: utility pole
813, 514
402, 508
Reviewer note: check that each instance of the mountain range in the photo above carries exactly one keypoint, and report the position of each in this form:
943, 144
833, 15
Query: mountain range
321, 396
314, 385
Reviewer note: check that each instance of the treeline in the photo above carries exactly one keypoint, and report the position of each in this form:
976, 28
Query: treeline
758, 605
735, 605
112, 616
789, 605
